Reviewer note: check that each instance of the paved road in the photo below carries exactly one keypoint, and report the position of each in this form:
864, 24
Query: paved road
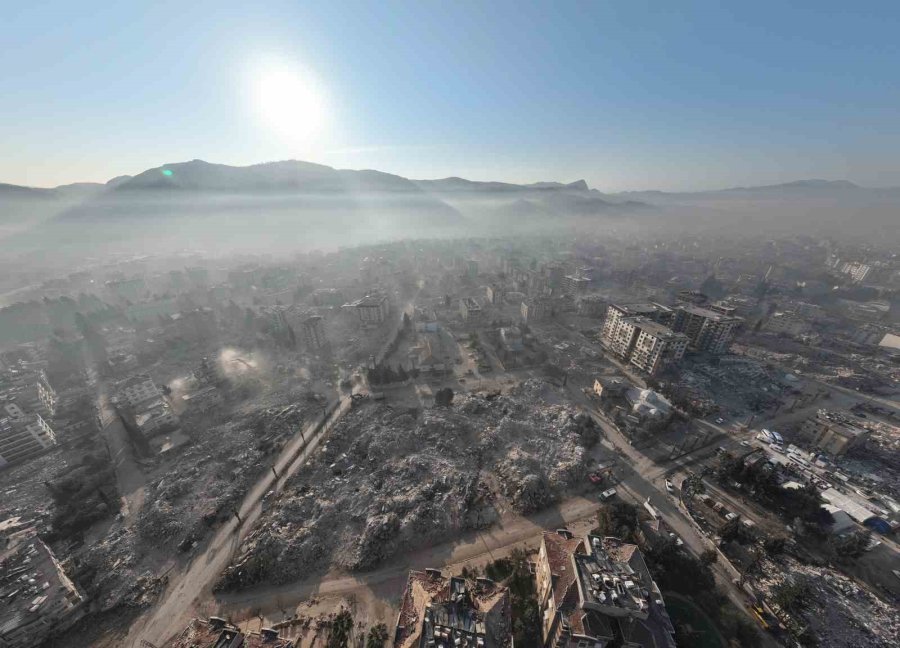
644, 480
186, 586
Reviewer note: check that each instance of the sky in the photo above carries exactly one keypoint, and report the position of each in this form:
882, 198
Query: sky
626, 95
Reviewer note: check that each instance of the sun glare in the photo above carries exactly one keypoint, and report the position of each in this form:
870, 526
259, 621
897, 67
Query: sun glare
290, 101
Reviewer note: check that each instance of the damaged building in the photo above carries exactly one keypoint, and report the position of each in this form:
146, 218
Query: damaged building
598, 592
439, 611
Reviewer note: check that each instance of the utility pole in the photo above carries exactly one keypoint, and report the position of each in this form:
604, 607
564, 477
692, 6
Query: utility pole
274, 472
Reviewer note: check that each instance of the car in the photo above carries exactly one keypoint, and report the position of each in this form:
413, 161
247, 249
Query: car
678, 541
595, 478
669, 486
720, 420
730, 516
605, 495
746, 444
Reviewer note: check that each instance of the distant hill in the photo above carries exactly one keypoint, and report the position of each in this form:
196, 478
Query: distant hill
291, 203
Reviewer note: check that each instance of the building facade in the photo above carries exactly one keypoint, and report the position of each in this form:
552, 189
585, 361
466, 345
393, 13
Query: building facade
314, 332
834, 432
706, 330
24, 438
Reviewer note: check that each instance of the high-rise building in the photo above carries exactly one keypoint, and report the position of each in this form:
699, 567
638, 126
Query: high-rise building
706, 330
651, 311
575, 284
314, 332
470, 309
372, 309
646, 344
656, 347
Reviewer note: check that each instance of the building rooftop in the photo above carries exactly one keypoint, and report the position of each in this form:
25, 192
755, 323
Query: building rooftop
843, 423
656, 329
370, 301
645, 308
217, 633
36, 596
453, 612
708, 314
604, 582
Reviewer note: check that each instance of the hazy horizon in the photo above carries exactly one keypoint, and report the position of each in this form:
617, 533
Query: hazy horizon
673, 99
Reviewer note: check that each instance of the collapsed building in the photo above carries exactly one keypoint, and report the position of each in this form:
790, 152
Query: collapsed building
442, 612
389, 480
598, 592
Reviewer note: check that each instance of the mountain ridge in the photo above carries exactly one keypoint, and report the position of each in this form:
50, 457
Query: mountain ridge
448, 183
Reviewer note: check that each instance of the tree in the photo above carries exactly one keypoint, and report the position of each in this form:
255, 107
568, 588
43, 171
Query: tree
709, 557
774, 546
619, 520
377, 636
444, 397
341, 627
852, 545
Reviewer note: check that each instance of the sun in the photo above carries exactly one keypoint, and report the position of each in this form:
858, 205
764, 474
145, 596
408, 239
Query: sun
290, 101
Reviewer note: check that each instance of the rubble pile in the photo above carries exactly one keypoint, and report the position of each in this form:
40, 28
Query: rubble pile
112, 573
389, 480
838, 611
209, 479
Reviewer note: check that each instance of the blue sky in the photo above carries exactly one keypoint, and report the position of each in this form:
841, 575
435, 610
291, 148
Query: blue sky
627, 95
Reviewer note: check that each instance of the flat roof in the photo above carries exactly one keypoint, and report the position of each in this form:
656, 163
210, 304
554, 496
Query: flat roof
709, 314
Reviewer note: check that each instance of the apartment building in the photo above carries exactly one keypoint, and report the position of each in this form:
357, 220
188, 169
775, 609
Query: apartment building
598, 593
706, 329
137, 389
641, 341
441, 611
470, 309
372, 309
24, 438
313, 330
651, 311
575, 284
656, 347
835, 432
38, 597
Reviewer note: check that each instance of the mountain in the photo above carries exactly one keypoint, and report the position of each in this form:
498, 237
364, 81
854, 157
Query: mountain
813, 189
453, 185
283, 205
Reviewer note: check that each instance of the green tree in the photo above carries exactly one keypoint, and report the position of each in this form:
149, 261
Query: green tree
341, 627
378, 635
618, 519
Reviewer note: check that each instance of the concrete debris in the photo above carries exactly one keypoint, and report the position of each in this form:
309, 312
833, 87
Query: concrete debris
389, 480
838, 612
209, 479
